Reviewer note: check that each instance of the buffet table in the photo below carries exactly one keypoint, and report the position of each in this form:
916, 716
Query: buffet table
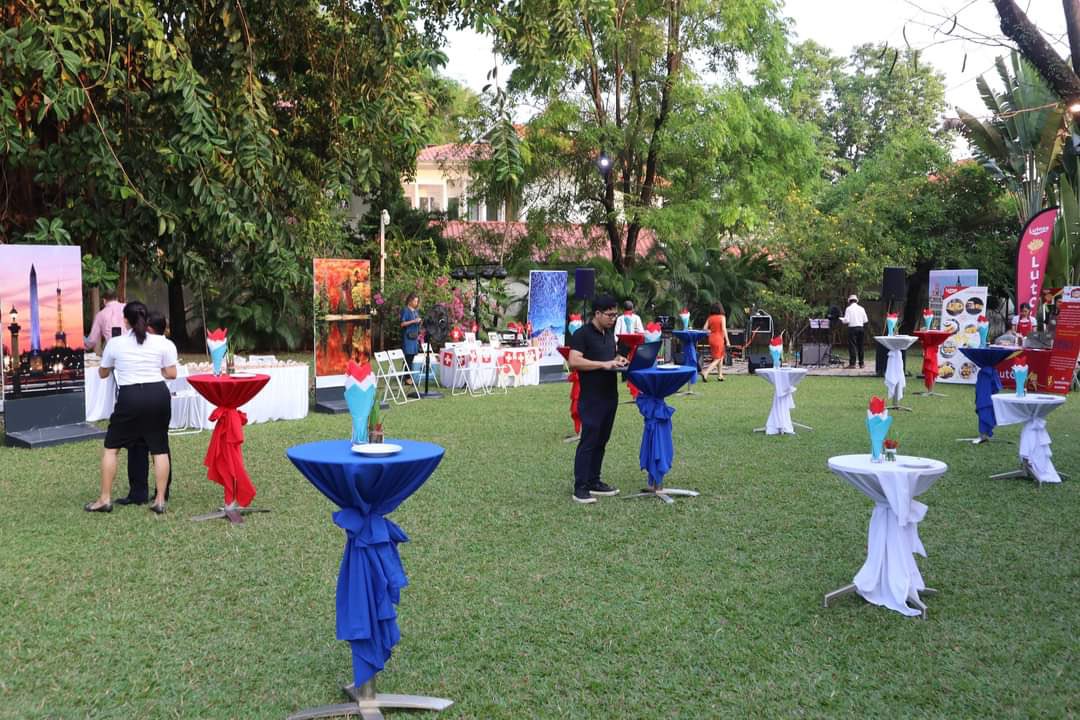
489, 366
284, 398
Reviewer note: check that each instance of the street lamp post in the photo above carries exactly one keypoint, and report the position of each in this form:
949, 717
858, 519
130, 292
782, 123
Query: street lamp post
15, 360
384, 220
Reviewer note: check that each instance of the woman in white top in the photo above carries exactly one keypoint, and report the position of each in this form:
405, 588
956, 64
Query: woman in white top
142, 363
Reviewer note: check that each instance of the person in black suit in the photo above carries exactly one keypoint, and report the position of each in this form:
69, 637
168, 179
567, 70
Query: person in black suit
593, 355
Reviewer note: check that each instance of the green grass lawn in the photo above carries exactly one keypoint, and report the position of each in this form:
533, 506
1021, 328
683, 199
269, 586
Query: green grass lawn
523, 604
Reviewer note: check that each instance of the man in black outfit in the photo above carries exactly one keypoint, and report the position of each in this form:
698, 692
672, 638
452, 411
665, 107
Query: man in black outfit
592, 354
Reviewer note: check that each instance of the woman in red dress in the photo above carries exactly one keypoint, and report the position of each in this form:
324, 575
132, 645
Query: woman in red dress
718, 341
1023, 323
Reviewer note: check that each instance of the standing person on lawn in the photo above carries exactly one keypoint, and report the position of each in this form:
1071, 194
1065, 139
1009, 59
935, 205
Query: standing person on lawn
855, 318
410, 331
718, 341
630, 322
142, 363
593, 356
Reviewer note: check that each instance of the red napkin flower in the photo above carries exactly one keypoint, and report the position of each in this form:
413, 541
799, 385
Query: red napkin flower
893, 316
358, 372
777, 341
685, 311
927, 312
891, 444
216, 334
982, 318
877, 405
575, 317
654, 327
1020, 359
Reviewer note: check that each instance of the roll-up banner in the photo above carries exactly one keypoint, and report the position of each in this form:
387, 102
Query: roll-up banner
1031, 257
961, 308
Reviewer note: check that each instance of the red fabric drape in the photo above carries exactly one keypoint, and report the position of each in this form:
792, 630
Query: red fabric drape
632, 340
224, 458
575, 395
931, 340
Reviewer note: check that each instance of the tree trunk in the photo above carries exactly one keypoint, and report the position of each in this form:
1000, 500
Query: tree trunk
121, 283
178, 312
1061, 78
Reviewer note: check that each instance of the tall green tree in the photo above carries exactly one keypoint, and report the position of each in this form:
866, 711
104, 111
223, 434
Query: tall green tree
620, 68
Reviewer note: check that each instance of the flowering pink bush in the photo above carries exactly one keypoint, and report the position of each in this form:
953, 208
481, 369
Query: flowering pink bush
379, 299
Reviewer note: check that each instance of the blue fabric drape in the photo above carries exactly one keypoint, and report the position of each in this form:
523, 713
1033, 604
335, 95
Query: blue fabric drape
371, 576
657, 448
689, 340
987, 382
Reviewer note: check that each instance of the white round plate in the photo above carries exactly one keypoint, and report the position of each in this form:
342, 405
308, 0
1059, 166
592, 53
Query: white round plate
243, 375
670, 366
376, 449
915, 465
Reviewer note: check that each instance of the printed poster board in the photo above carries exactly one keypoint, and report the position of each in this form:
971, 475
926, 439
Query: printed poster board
342, 317
960, 311
547, 313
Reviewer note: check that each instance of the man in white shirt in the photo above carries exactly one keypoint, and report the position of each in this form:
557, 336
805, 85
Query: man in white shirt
855, 318
630, 321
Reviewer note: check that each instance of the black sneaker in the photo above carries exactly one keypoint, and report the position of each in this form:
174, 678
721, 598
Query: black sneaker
603, 490
582, 496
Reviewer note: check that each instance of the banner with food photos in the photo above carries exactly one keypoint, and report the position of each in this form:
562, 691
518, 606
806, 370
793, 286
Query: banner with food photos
960, 310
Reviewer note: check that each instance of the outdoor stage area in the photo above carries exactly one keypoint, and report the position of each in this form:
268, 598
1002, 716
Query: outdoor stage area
522, 604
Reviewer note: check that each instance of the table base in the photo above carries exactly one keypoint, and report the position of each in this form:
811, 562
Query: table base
571, 438
664, 495
851, 589
930, 393
983, 440
793, 424
234, 516
1025, 471
367, 704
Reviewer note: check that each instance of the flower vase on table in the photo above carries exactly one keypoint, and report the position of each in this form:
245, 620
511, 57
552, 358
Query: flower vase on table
1020, 374
217, 344
891, 320
891, 446
360, 391
575, 323
984, 331
653, 332
776, 350
927, 318
877, 424
684, 317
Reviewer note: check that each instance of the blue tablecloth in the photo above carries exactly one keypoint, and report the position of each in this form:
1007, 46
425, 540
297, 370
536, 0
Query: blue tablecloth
987, 383
657, 449
689, 340
371, 575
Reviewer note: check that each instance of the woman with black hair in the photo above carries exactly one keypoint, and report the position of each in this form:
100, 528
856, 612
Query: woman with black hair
142, 362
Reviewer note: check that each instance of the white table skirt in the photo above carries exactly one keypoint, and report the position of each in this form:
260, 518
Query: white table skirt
894, 368
783, 381
890, 577
1031, 409
285, 397
490, 366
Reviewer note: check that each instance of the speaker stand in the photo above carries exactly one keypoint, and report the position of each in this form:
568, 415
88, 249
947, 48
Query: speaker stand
428, 393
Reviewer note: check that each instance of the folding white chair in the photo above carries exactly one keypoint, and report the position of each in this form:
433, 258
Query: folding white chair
385, 372
509, 372
466, 365
398, 368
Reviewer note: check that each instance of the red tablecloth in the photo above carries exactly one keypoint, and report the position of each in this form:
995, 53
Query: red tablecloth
575, 390
631, 340
931, 340
224, 458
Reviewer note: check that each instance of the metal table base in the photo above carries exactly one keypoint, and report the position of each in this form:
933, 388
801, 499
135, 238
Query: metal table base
664, 495
1025, 471
850, 589
983, 440
368, 704
793, 423
930, 393
233, 515
571, 438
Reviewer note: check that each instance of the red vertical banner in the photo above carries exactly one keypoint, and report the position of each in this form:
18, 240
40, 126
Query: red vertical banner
1031, 257
1066, 341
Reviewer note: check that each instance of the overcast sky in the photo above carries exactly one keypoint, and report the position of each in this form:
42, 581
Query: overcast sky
842, 24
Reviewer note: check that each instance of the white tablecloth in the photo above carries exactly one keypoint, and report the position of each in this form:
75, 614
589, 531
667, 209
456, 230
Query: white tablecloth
490, 365
894, 368
783, 381
285, 397
889, 577
1032, 410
